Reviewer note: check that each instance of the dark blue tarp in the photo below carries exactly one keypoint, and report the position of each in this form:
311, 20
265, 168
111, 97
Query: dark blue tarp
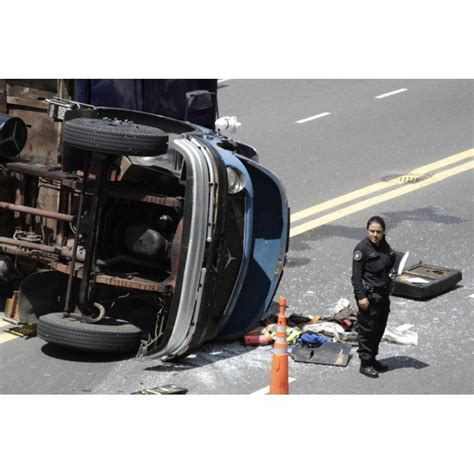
158, 96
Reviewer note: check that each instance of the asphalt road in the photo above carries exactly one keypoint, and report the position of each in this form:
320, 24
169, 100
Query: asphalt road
353, 141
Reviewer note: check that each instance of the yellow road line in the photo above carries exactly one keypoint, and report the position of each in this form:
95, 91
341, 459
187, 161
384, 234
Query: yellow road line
297, 216
5, 337
3, 324
380, 198
444, 162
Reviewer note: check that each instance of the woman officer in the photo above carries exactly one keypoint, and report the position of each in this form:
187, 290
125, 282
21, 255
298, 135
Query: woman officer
372, 262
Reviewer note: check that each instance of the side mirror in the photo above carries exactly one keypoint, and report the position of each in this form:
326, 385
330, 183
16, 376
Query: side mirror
198, 100
203, 104
13, 135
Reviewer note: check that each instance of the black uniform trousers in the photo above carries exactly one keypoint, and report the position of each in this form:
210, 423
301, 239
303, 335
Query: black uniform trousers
371, 326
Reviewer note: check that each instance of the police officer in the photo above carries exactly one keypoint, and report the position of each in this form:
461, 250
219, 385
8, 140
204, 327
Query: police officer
372, 262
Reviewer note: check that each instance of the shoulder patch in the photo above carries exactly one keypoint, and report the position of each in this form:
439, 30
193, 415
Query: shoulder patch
357, 255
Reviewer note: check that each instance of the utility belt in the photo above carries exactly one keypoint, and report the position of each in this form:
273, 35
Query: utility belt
376, 293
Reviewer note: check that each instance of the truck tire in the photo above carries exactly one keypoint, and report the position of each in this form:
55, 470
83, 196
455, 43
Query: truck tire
110, 335
114, 137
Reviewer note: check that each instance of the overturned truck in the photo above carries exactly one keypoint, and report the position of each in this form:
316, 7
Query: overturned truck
129, 231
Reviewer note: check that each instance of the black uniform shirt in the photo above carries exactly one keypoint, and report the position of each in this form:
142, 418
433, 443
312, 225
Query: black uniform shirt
371, 266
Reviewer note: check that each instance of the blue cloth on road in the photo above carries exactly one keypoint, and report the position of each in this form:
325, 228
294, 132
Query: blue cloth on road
310, 337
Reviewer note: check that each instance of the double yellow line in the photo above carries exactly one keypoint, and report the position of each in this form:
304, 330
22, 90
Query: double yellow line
413, 177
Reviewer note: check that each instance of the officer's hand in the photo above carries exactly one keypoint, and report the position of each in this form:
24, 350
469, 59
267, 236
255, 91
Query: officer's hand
364, 304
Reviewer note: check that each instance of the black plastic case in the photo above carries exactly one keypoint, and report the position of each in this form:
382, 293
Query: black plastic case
438, 280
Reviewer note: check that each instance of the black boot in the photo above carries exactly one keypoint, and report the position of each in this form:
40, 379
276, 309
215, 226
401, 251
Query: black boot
379, 367
368, 371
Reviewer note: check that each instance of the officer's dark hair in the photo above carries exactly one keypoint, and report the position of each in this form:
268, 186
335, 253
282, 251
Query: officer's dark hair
377, 220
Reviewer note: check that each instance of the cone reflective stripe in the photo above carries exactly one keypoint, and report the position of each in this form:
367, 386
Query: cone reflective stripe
279, 375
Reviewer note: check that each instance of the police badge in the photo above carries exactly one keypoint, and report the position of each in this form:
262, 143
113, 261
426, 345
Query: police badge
357, 255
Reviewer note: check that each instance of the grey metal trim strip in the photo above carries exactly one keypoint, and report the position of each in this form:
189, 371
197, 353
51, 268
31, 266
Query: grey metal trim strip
188, 308
197, 306
212, 192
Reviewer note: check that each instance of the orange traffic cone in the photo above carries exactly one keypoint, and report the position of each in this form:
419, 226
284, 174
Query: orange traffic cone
279, 376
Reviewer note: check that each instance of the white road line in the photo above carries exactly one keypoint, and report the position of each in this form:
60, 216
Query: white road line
390, 93
313, 117
265, 390
222, 80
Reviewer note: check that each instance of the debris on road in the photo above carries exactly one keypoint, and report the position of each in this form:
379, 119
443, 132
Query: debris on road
339, 326
313, 339
326, 328
331, 353
257, 337
292, 333
340, 305
265, 335
294, 319
423, 281
325, 339
162, 390
401, 335
23, 330
346, 324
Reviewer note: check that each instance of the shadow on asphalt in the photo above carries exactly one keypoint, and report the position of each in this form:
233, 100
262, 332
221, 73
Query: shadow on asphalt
456, 287
401, 362
209, 353
58, 352
297, 261
393, 219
